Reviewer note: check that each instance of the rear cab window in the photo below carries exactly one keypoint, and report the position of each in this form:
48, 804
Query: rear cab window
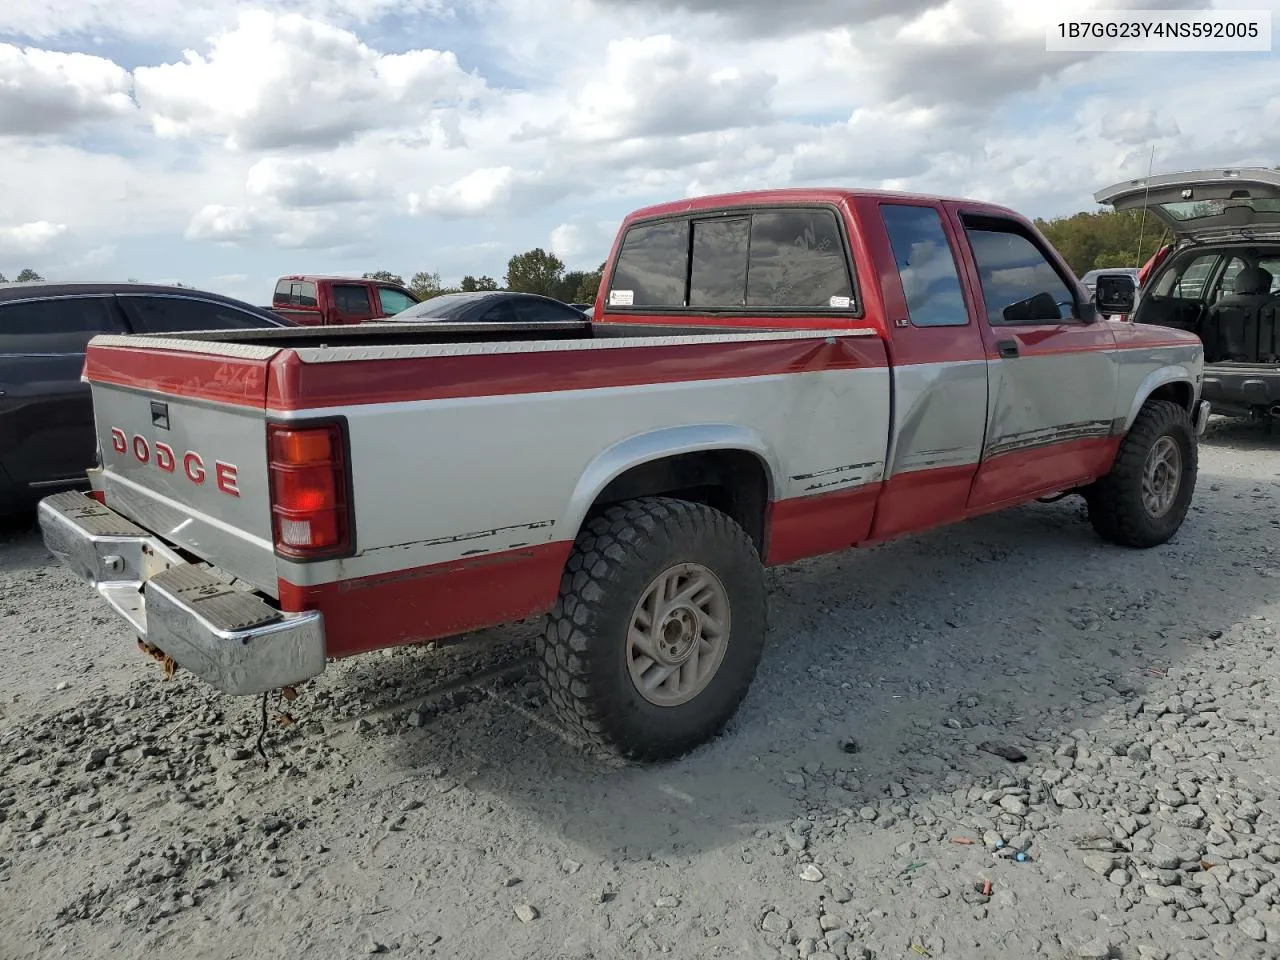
57, 325
759, 260
295, 293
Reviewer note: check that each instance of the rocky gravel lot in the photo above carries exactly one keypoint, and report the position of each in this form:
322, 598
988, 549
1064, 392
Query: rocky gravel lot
1003, 739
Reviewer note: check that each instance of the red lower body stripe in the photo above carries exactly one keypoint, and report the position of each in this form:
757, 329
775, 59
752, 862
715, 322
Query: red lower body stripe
446, 599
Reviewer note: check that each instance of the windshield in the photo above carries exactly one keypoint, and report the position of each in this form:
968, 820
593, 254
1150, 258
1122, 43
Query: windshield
445, 305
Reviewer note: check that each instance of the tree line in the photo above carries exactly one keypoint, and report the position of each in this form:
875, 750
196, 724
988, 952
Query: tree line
1105, 239
25, 276
534, 271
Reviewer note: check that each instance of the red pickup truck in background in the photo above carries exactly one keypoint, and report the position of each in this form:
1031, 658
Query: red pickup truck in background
329, 301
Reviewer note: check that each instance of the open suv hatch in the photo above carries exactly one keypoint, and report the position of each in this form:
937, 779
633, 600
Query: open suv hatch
1220, 280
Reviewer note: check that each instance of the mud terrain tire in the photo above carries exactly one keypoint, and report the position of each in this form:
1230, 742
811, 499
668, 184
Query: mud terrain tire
654, 588
1145, 497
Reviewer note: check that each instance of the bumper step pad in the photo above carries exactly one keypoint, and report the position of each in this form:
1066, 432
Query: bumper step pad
225, 607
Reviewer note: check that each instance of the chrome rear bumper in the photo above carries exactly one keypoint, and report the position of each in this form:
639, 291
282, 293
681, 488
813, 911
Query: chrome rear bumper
230, 638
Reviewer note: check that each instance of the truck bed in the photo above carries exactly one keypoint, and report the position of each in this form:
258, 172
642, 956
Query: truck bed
471, 448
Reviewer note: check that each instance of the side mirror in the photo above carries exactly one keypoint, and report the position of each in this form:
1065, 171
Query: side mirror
1115, 293
1041, 308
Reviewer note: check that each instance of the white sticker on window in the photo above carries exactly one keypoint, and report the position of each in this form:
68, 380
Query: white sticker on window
621, 298
841, 303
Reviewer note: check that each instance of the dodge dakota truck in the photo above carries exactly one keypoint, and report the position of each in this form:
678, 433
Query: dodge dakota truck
767, 376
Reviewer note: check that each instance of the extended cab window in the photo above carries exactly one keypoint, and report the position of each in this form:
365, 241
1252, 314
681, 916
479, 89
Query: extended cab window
175, 314
718, 277
352, 299
295, 293
797, 260
1012, 269
393, 301
652, 265
780, 259
926, 266
57, 325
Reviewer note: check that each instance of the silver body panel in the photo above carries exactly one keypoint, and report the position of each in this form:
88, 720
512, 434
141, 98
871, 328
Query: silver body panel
231, 532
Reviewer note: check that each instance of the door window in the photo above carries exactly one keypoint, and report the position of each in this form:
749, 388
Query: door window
352, 299
177, 314
1012, 270
393, 301
56, 325
926, 266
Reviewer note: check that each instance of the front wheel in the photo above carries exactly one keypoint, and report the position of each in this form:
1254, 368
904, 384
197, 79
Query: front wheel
1145, 497
658, 629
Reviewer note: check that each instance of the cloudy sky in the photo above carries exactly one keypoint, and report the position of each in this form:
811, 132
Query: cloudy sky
225, 142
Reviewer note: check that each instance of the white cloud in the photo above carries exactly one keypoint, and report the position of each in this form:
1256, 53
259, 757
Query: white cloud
302, 183
297, 130
656, 86
566, 241
284, 81
158, 19
30, 238
490, 189
44, 91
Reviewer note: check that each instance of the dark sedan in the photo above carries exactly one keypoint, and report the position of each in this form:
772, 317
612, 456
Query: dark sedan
489, 306
47, 439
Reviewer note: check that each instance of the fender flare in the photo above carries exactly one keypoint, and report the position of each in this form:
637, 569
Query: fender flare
660, 444
1153, 381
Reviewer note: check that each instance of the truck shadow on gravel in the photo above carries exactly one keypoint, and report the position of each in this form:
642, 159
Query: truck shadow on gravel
886, 670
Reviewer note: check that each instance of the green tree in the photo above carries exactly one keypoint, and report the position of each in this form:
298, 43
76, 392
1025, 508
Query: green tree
1105, 238
581, 286
29, 276
426, 284
471, 284
535, 271
2, 278
386, 276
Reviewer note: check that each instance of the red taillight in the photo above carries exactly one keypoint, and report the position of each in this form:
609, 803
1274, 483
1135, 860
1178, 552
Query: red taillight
309, 497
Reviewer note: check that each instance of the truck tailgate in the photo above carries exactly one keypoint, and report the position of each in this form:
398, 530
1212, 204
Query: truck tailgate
182, 432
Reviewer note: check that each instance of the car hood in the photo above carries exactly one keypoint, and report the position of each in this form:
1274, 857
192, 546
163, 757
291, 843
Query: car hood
1201, 205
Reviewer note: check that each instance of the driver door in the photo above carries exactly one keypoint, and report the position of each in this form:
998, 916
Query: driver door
1053, 380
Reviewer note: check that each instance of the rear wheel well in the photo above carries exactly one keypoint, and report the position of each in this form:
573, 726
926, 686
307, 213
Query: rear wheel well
734, 482
1177, 392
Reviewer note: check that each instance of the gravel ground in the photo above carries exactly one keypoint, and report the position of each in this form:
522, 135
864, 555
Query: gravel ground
1004, 739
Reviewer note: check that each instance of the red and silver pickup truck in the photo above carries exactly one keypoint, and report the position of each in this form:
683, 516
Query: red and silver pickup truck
766, 377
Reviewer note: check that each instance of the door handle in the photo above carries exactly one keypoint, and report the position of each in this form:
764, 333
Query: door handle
1008, 348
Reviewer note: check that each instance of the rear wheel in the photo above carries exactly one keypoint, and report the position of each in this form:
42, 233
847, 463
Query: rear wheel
1145, 497
658, 630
